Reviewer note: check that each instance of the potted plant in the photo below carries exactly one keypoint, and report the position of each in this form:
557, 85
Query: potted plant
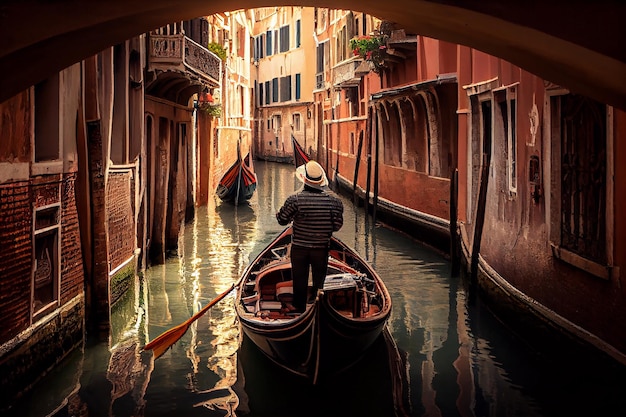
208, 105
371, 48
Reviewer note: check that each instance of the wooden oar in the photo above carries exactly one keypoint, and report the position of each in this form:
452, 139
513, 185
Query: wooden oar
162, 343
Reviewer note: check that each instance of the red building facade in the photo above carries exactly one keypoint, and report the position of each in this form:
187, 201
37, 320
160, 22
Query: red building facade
516, 173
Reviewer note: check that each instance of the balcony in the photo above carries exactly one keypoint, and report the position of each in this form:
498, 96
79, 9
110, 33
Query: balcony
348, 73
178, 67
401, 46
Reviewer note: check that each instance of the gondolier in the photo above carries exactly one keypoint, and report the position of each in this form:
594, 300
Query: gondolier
315, 214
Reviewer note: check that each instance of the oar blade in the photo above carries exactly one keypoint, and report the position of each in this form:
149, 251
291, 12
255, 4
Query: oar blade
163, 342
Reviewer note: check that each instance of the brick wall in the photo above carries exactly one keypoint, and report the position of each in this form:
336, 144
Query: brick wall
120, 216
17, 202
72, 271
15, 258
26, 356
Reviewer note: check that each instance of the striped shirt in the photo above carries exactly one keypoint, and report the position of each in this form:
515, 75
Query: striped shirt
315, 215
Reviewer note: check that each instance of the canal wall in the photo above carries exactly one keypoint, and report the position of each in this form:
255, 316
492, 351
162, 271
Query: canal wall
428, 229
29, 356
507, 301
513, 306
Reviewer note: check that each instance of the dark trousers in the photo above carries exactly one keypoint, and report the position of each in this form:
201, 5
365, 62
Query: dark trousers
301, 259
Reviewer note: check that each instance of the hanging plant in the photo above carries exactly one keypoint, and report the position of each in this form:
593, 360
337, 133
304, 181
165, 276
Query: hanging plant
214, 110
218, 50
372, 48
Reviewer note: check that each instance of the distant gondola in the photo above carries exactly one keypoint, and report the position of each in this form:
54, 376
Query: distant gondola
339, 324
300, 157
239, 182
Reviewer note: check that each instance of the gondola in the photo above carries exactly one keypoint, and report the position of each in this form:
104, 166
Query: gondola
239, 182
300, 157
339, 324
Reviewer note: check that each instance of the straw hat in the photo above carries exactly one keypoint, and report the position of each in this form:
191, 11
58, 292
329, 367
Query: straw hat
312, 174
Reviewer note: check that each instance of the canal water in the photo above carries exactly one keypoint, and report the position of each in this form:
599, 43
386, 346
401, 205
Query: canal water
444, 352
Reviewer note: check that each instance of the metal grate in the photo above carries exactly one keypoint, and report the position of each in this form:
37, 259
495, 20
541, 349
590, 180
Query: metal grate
583, 177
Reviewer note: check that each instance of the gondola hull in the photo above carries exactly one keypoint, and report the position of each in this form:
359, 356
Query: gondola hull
337, 328
238, 183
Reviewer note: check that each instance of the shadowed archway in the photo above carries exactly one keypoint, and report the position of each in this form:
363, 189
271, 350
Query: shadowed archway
579, 46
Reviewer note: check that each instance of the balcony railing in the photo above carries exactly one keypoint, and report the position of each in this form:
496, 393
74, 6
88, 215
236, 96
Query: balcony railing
349, 73
179, 53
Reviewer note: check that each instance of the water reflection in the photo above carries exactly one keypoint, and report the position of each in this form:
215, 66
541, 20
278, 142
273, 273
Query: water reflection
448, 354
213, 251
373, 387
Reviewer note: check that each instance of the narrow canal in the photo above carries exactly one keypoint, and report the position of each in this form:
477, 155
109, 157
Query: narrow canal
447, 355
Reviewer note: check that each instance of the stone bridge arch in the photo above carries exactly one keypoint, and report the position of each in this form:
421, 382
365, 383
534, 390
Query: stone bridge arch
577, 45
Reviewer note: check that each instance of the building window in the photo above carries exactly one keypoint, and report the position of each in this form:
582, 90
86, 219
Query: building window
268, 43
47, 107
338, 44
352, 97
284, 39
46, 258
276, 126
276, 123
506, 126
296, 122
285, 88
261, 46
320, 58
274, 90
268, 93
341, 45
242, 101
298, 86
241, 46
351, 143
480, 142
581, 209
258, 47
298, 33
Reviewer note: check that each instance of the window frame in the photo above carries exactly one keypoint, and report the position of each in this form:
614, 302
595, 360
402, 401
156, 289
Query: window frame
285, 90
275, 90
508, 96
298, 86
268, 43
298, 33
552, 186
296, 121
40, 233
285, 43
52, 124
